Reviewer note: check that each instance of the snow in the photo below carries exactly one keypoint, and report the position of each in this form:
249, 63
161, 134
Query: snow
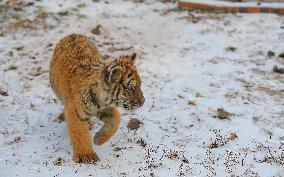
182, 57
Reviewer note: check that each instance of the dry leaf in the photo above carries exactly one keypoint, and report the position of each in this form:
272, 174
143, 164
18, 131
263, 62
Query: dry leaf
191, 103
233, 136
134, 124
270, 54
199, 95
96, 30
231, 49
262, 89
180, 96
12, 67
278, 70
58, 161
223, 114
3, 92
15, 140
35, 71
281, 55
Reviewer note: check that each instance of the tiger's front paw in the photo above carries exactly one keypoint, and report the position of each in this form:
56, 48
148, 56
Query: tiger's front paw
86, 159
101, 138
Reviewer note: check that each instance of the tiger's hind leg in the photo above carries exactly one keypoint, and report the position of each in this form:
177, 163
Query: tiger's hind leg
111, 119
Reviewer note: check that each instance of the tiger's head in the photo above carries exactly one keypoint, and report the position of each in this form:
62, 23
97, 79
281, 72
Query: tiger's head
124, 83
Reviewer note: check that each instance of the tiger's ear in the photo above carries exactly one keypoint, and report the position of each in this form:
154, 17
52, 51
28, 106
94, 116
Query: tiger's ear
112, 73
132, 57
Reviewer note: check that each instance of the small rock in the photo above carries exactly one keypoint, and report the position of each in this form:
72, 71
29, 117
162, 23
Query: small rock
189, 126
281, 55
270, 54
11, 53
15, 140
35, 71
223, 114
139, 1
29, 4
181, 97
82, 5
198, 95
49, 45
213, 145
12, 67
165, 1
3, 92
191, 103
184, 160
142, 142
58, 161
134, 124
63, 13
278, 70
19, 48
82, 16
118, 148
231, 49
96, 30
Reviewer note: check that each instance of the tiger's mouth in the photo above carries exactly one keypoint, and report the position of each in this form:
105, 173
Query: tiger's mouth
129, 107
134, 104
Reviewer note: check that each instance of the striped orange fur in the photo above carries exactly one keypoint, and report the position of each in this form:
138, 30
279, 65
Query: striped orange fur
89, 86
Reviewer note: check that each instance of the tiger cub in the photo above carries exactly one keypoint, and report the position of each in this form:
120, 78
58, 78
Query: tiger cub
90, 86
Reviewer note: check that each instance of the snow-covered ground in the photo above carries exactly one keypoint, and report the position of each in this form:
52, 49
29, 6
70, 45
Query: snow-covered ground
191, 65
